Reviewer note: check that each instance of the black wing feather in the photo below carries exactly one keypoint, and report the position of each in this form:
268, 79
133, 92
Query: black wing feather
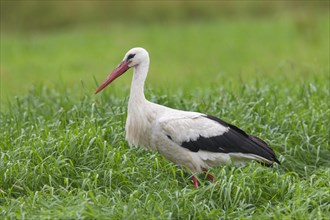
233, 141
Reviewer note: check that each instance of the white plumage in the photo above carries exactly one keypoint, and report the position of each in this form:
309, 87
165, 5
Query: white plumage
191, 139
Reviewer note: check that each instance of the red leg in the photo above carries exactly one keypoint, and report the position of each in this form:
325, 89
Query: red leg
210, 177
195, 181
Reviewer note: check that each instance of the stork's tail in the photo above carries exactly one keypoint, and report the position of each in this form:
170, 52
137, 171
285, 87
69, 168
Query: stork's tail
265, 146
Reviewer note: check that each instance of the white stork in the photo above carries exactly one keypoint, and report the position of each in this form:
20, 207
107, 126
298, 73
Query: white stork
194, 140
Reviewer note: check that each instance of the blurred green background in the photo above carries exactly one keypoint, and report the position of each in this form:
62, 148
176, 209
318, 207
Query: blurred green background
191, 43
49, 15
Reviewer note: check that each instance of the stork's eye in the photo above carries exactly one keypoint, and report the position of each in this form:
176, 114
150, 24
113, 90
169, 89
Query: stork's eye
130, 56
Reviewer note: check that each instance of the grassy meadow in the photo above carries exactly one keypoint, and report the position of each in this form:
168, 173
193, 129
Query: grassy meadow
63, 153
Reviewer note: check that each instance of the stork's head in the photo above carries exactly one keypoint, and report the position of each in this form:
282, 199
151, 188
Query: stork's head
133, 57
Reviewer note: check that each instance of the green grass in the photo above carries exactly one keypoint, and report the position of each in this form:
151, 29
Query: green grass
63, 152
68, 158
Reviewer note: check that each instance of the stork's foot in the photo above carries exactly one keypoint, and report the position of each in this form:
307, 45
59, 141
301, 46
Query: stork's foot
208, 176
195, 181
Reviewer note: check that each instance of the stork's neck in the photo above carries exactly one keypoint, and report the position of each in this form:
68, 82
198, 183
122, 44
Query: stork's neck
137, 123
137, 87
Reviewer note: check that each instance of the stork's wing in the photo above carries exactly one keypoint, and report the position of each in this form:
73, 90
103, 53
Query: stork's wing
208, 133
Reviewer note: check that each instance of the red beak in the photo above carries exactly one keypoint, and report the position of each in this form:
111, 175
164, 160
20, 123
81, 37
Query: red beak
120, 69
